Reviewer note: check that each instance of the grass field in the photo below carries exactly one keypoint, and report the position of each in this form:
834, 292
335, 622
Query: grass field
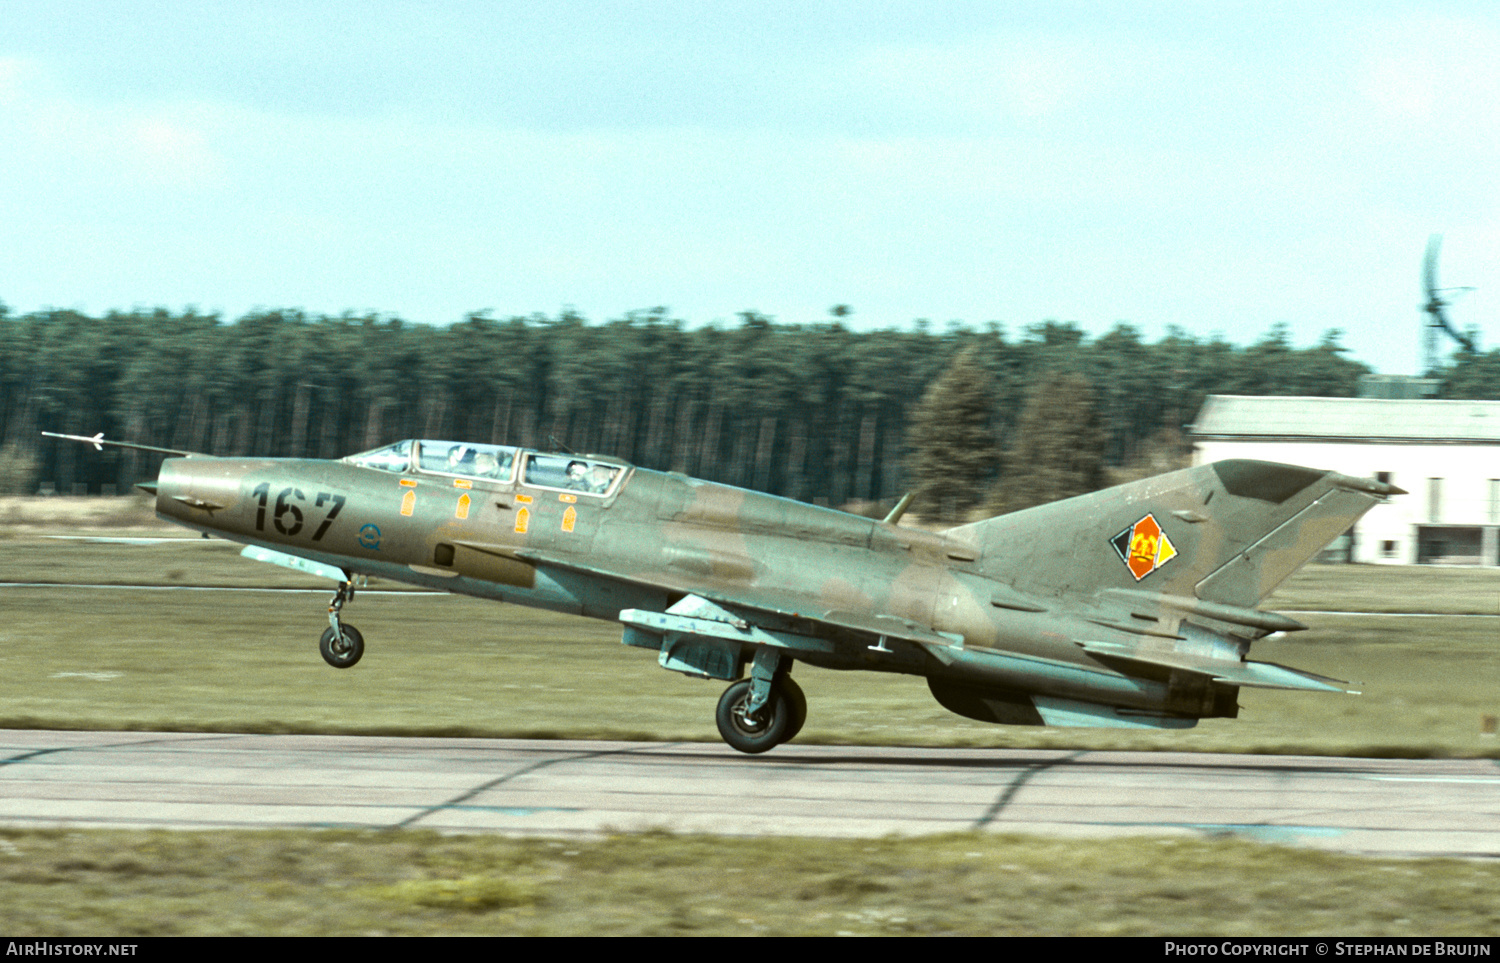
247, 662
439, 664
447, 665
22, 513
66, 882
213, 660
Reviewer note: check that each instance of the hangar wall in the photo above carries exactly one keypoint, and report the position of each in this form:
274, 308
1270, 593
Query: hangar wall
1446, 454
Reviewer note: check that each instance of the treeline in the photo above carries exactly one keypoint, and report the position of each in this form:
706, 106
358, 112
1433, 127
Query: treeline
817, 412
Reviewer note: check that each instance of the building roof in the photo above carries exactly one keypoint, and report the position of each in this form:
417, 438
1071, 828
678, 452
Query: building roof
1387, 420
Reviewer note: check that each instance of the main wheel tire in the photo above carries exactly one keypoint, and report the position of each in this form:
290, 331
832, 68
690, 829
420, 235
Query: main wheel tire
756, 733
796, 702
345, 652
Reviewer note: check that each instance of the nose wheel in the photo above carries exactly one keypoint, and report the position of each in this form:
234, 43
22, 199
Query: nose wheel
342, 650
341, 645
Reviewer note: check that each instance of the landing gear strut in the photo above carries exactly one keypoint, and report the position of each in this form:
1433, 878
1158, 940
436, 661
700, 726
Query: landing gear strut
341, 645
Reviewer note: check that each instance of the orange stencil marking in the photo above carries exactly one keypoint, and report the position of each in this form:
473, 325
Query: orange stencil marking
408, 502
523, 518
462, 511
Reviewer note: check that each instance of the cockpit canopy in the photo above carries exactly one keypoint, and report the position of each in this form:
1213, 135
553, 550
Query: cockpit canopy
466, 460
588, 474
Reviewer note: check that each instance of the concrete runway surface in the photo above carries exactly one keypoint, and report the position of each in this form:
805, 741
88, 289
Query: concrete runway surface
535, 787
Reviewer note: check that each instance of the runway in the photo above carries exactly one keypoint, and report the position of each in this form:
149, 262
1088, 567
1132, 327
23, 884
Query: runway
535, 787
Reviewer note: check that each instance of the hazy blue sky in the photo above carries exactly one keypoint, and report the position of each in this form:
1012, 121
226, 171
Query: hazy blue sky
1218, 166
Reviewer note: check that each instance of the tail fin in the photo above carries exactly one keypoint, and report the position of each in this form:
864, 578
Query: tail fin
1229, 532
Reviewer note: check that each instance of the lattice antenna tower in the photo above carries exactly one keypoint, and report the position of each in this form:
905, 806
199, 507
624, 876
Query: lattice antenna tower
1436, 310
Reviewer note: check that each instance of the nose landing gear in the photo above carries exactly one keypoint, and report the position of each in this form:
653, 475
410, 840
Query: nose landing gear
341, 645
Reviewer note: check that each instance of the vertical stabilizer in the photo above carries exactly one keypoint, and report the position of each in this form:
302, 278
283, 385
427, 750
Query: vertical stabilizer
1228, 533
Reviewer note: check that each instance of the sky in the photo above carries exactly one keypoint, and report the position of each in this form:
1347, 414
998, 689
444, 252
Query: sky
1220, 167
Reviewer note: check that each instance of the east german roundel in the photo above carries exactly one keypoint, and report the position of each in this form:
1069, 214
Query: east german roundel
1144, 547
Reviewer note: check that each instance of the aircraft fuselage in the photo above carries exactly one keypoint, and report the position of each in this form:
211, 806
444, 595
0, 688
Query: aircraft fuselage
656, 538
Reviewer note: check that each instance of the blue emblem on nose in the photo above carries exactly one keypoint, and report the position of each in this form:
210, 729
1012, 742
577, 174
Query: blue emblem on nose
369, 537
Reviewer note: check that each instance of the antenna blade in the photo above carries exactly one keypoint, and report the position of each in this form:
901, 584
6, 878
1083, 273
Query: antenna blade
900, 509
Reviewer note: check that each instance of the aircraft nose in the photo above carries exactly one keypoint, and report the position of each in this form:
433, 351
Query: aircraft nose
193, 491
173, 482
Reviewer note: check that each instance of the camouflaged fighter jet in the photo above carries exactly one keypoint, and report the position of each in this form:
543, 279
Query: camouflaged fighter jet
1129, 607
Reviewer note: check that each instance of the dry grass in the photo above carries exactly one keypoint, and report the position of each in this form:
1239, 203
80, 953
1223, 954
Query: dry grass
32, 514
124, 883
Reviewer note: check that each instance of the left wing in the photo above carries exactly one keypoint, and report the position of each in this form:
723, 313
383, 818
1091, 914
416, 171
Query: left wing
799, 623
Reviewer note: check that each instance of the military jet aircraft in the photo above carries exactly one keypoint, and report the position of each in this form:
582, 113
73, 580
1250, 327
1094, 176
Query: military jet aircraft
1129, 607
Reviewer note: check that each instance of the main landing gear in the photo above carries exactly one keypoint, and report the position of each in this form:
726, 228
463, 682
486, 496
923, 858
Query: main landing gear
777, 720
341, 644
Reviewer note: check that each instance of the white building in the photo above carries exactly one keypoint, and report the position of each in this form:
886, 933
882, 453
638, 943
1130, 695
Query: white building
1446, 454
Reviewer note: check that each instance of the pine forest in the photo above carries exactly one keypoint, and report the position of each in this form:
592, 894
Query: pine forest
819, 412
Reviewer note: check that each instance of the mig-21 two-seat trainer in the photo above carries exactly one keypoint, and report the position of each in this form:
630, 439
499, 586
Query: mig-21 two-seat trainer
1134, 606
